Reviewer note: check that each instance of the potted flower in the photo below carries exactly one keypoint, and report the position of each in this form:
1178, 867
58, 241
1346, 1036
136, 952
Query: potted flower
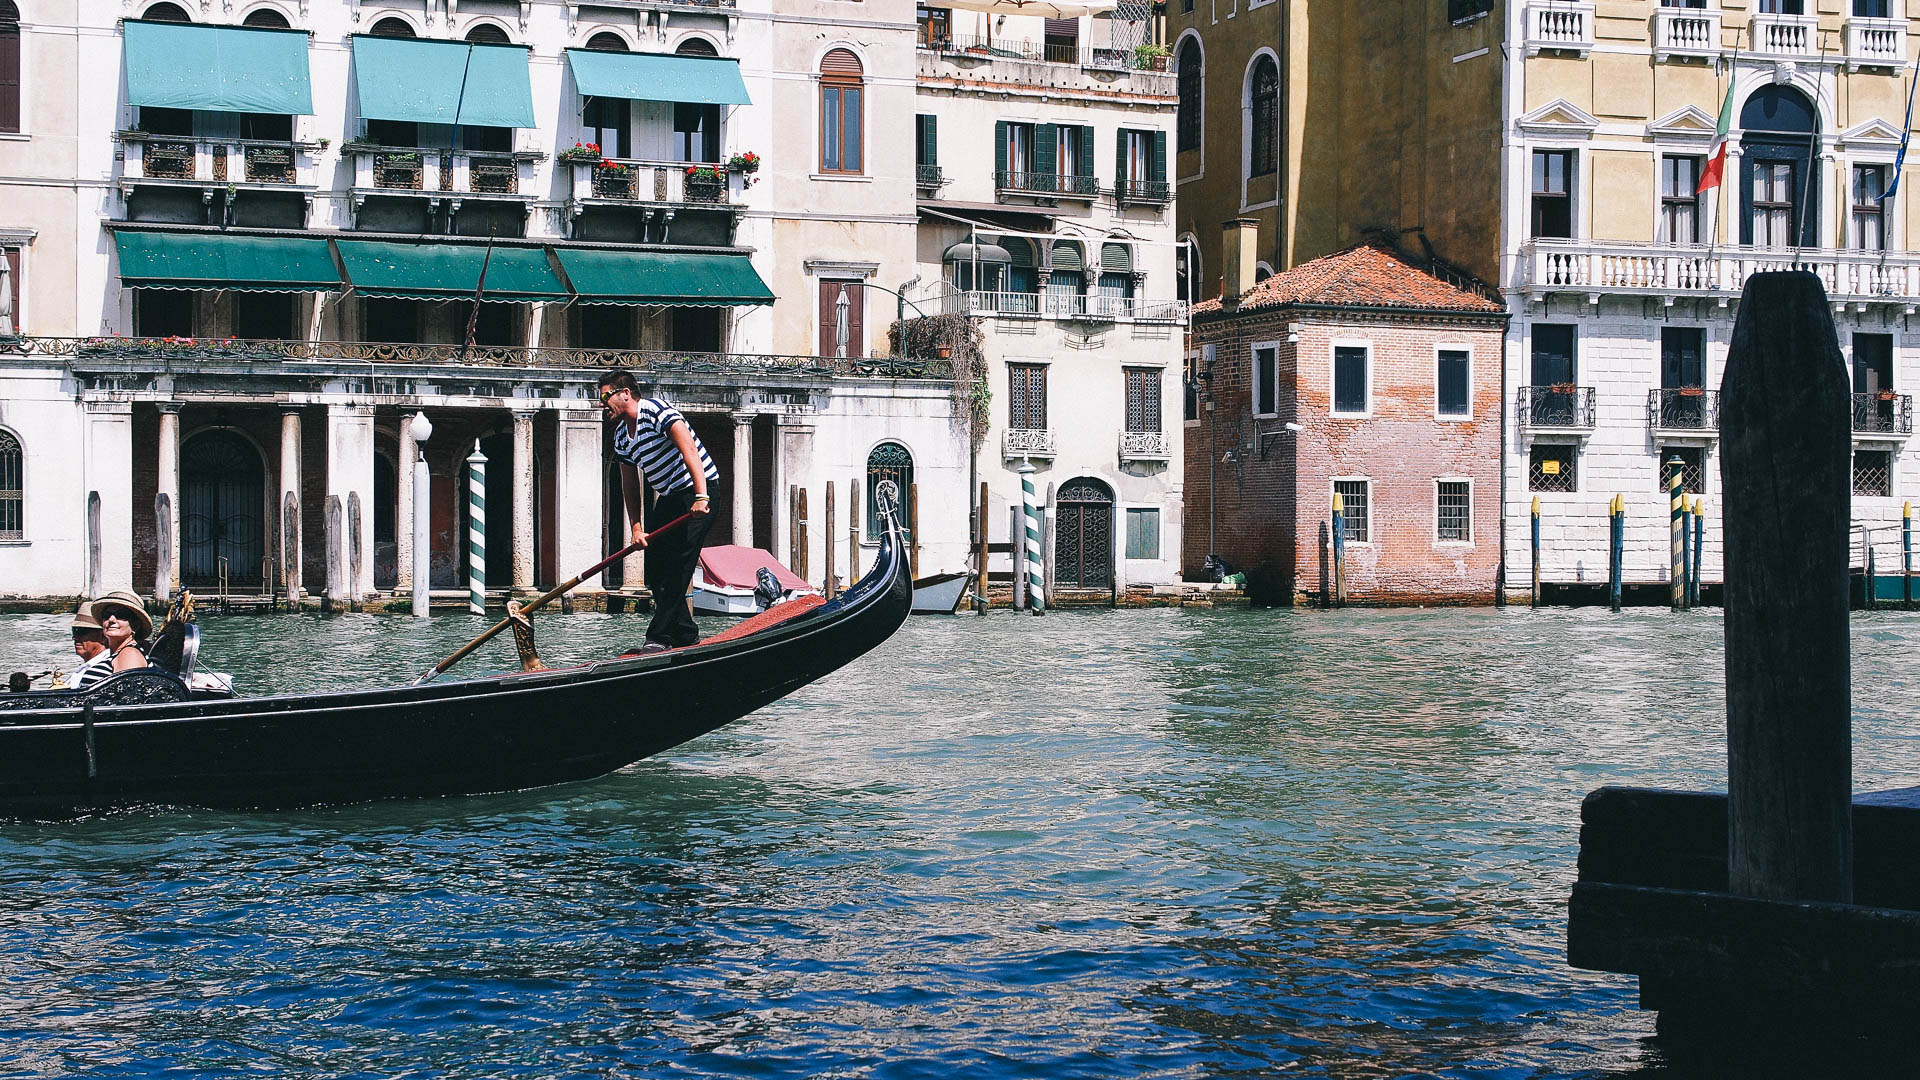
748, 163
1150, 56
585, 153
612, 167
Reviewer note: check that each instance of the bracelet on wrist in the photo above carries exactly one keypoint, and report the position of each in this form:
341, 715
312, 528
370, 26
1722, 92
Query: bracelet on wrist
703, 497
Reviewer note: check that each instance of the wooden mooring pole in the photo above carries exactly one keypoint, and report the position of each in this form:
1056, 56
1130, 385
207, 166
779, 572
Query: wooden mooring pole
826, 549
1786, 421
1699, 548
980, 558
1906, 555
1536, 551
1339, 552
1616, 548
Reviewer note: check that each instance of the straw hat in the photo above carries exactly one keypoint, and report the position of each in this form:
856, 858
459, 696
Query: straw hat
127, 600
84, 621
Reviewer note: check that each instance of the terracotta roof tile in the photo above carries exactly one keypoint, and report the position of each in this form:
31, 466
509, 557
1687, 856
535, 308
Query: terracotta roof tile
1367, 276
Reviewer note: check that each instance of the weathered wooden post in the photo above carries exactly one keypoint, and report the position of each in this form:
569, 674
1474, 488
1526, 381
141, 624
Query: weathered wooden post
853, 530
1686, 553
1616, 549
913, 528
162, 548
800, 535
1339, 551
96, 547
1536, 551
334, 523
793, 527
826, 559
1866, 543
290, 548
1017, 554
1699, 548
477, 531
354, 554
1906, 555
1786, 418
1048, 510
1326, 578
980, 559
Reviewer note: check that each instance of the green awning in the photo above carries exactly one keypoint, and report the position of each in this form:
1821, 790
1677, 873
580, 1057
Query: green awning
448, 271
442, 82
155, 260
700, 80
666, 278
219, 68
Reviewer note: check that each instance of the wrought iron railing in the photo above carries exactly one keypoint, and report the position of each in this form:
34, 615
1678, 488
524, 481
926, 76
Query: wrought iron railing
168, 161
169, 352
1144, 446
1143, 191
1047, 183
928, 176
705, 185
270, 164
1684, 408
493, 176
1884, 411
1065, 305
1108, 57
400, 170
613, 182
1556, 406
1028, 442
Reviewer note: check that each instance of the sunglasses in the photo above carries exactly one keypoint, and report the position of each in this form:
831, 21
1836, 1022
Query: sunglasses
607, 395
123, 616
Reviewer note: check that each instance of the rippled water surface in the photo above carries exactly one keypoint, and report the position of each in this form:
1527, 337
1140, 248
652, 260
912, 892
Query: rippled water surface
1126, 844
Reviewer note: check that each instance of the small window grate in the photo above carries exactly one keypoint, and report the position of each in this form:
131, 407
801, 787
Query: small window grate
1552, 467
1454, 506
1690, 462
1873, 472
1355, 508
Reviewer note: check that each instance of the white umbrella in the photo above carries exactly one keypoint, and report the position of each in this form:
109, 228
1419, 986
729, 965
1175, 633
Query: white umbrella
840, 329
1051, 9
6, 300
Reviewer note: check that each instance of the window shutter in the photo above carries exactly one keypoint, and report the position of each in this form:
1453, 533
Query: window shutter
1120, 160
10, 42
856, 318
1159, 157
1000, 146
929, 139
1046, 149
840, 62
1086, 150
1037, 407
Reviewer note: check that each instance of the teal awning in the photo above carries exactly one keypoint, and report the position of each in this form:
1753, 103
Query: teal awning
219, 68
442, 82
666, 278
154, 260
701, 80
448, 271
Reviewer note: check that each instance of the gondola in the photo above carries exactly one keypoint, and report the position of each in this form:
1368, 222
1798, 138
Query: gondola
142, 738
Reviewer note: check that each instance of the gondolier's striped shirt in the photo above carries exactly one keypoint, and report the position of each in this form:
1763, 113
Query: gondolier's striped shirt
647, 447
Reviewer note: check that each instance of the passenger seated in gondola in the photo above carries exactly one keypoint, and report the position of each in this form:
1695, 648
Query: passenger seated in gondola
90, 645
124, 619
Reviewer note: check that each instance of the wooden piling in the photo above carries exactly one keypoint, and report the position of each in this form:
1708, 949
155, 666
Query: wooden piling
1339, 551
334, 520
1676, 543
1326, 578
826, 553
1786, 419
163, 548
1699, 548
793, 527
355, 556
853, 530
1685, 594
800, 525
980, 577
1906, 555
1616, 548
1536, 551
96, 547
290, 548
913, 529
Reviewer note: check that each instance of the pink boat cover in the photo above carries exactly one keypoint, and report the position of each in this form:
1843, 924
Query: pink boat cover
737, 567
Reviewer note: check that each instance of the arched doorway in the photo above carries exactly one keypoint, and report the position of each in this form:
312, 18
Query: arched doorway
889, 461
1083, 535
222, 509
1779, 186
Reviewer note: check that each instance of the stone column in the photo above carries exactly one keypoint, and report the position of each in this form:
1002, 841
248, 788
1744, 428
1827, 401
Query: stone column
109, 458
743, 479
350, 479
403, 506
168, 462
523, 501
287, 507
782, 533
579, 497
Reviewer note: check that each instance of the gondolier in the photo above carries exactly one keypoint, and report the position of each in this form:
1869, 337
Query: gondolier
655, 443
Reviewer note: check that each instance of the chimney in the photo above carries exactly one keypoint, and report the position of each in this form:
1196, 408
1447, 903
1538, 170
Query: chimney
1239, 240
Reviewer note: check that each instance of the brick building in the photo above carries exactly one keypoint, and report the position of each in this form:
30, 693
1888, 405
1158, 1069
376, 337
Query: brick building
1361, 373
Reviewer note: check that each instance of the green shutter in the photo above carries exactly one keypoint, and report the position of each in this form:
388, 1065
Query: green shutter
1159, 157
1086, 150
1046, 149
929, 142
1000, 148
1120, 161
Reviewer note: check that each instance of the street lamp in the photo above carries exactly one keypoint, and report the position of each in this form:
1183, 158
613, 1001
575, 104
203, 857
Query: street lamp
421, 429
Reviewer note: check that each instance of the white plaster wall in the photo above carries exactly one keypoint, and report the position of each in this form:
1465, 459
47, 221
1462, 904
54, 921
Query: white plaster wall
37, 406
918, 417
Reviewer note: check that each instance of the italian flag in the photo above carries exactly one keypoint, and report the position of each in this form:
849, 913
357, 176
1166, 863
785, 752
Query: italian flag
1717, 156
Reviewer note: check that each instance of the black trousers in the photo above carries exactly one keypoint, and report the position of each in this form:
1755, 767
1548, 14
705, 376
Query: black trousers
670, 561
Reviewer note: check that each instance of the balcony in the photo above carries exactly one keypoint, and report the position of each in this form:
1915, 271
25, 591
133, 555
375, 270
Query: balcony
184, 159
928, 177
1047, 185
1599, 267
1683, 410
1563, 25
1788, 37
1121, 73
1144, 446
1091, 307
1142, 192
1689, 33
615, 181
1875, 43
387, 170
1883, 413
1027, 443
1559, 407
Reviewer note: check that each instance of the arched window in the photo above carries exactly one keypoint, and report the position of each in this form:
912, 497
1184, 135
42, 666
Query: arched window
1068, 280
694, 46
392, 28
1116, 274
266, 18
1187, 84
842, 113
488, 34
12, 488
166, 13
606, 41
1022, 273
1779, 187
9, 67
1263, 117
889, 461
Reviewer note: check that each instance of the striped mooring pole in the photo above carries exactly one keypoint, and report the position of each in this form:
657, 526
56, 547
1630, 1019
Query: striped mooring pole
1031, 512
1339, 551
1699, 548
477, 531
1677, 541
1686, 553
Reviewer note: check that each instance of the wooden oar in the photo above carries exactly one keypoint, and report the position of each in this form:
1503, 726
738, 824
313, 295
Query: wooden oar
558, 591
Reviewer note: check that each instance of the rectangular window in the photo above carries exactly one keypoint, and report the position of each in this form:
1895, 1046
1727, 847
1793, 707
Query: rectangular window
162, 313
1873, 472
1551, 467
1682, 357
1552, 193
263, 316
1770, 213
1867, 229
1266, 380
1872, 363
1690, 462
1027, 397
1061, 38
607, 326
1462, 10
926, 141
1680, 200
1349, 379
10, 72
935, 27
1354, 508
12, 257
841, 127
1553, 358
604, 122
1870, 9
392, 322
1782, 7
1066, 154
1452, 383
1196, 363
696, 132
1143, 399
1143, 532
1453, 511
842, 330
1018, 151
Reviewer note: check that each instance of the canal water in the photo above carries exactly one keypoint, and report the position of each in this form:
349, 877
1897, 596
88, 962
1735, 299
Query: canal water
1114, 844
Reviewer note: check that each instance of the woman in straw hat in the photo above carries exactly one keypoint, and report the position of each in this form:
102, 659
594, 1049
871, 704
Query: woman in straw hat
125, 621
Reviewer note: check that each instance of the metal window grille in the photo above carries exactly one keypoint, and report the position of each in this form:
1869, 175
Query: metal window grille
1552, 467
1354, 507
1455, 511
1027, 396
1187, 88
1143, 399
12, 489
1873, 472
889, 461
1690, 462
1265, 110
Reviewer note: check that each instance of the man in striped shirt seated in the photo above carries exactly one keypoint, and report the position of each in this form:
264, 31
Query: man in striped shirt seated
656, 444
